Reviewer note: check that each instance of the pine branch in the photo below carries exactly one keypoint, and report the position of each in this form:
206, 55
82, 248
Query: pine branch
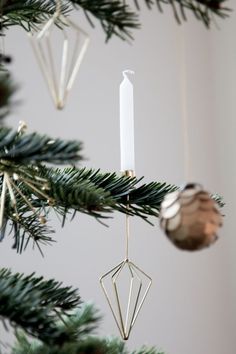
115, 17
27, 13
90, 345
28, 229
108, 190
82, 325
29, 190
42, 309
72, 190
26, 219
22, 148
204, 10
35, 305
23, 207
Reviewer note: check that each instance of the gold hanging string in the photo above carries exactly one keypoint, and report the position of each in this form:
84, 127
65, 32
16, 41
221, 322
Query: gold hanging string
127, 236
128, 173
184, 108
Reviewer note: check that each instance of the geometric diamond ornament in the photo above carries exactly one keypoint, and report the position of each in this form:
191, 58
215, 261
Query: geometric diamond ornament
125, 287
59, 52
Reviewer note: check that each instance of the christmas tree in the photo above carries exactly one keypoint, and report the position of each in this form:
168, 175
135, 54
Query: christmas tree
46, 316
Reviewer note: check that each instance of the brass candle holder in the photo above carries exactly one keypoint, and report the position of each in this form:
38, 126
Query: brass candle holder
138, 281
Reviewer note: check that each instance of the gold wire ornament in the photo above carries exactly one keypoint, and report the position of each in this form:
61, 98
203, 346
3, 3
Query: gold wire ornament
126, 278
11, 185
59, 57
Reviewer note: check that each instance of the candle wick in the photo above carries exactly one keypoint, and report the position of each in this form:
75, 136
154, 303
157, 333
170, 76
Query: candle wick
125, 72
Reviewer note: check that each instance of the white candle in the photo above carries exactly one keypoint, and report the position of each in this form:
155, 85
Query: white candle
127, 123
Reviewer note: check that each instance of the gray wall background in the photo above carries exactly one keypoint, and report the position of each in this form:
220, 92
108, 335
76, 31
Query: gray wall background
191, 306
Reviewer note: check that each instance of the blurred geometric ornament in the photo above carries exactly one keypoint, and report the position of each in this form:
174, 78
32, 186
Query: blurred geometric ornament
59, 48
125, 279
190, 218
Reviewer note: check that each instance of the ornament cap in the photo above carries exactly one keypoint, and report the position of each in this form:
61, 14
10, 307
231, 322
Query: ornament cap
128, 173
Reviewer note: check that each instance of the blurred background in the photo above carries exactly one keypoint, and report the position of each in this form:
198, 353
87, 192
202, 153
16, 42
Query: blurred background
186, 69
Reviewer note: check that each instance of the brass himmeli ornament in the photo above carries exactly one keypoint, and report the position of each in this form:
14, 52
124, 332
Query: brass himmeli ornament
137, 285
59, 48
126, 287
12, 183
190, 218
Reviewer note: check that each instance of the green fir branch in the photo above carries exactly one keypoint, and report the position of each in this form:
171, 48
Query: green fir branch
35, 189
49, 318
22, 148
72, 190
90, 345
79, 328
28, 14
28, 229
33, 304
97, 194
203, 10
116, 17
105, 192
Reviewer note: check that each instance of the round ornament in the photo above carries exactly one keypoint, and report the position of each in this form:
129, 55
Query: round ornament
190, 218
